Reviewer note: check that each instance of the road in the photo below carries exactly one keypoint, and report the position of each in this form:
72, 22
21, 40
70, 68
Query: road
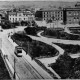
23, 68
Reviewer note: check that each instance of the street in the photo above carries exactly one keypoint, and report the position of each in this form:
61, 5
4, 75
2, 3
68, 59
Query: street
23, 68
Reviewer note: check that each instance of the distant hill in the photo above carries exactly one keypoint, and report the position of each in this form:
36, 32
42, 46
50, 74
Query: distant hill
37, 4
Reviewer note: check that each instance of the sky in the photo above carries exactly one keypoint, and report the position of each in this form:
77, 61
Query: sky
41, 0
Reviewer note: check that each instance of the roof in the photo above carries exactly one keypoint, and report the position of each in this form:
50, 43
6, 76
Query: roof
72, 9
51, 9
12, 13
25, 13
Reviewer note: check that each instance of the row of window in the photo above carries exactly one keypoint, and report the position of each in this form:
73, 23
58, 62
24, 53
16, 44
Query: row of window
74, 20
53, 12
54, 18
53, 15
16, 19
73, 13
18, 15
73, 17
19, 19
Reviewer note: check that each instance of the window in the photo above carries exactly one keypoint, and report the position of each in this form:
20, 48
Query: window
13, 19
69, 12
19, 19
61, 18
58, 12
19, 14
10, 18
24, 18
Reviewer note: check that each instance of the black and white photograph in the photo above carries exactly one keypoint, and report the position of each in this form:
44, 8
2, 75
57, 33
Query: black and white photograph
39, 39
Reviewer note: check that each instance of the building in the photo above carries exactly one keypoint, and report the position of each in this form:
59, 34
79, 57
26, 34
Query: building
71, 15
52, 14
19, 16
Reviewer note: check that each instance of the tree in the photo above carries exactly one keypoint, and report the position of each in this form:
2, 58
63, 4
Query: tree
22, 23
50, 21
38, 15
63, 65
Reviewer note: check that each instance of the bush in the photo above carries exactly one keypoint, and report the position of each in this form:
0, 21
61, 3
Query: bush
21, 37
67, 67
33, 30
30, 30
60, 34
42, 49
69, 48
64, 66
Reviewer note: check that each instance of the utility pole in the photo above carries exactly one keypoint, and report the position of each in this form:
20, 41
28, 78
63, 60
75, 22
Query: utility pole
28, 46
14, 69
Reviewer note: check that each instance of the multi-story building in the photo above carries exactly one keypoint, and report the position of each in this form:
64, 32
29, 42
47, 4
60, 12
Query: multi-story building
19, 16
71, 15
52, 14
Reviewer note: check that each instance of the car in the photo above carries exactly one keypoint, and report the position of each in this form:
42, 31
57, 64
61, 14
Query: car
18, 51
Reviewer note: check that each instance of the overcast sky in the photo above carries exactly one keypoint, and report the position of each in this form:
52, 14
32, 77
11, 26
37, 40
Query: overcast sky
40, 0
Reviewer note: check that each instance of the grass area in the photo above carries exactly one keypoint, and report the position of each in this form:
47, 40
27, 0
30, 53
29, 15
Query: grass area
37, 49
4, 75
69, 48
60, 34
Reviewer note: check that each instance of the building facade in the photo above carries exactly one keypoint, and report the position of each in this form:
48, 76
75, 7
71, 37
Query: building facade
19, 16
54, 14
71, 15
